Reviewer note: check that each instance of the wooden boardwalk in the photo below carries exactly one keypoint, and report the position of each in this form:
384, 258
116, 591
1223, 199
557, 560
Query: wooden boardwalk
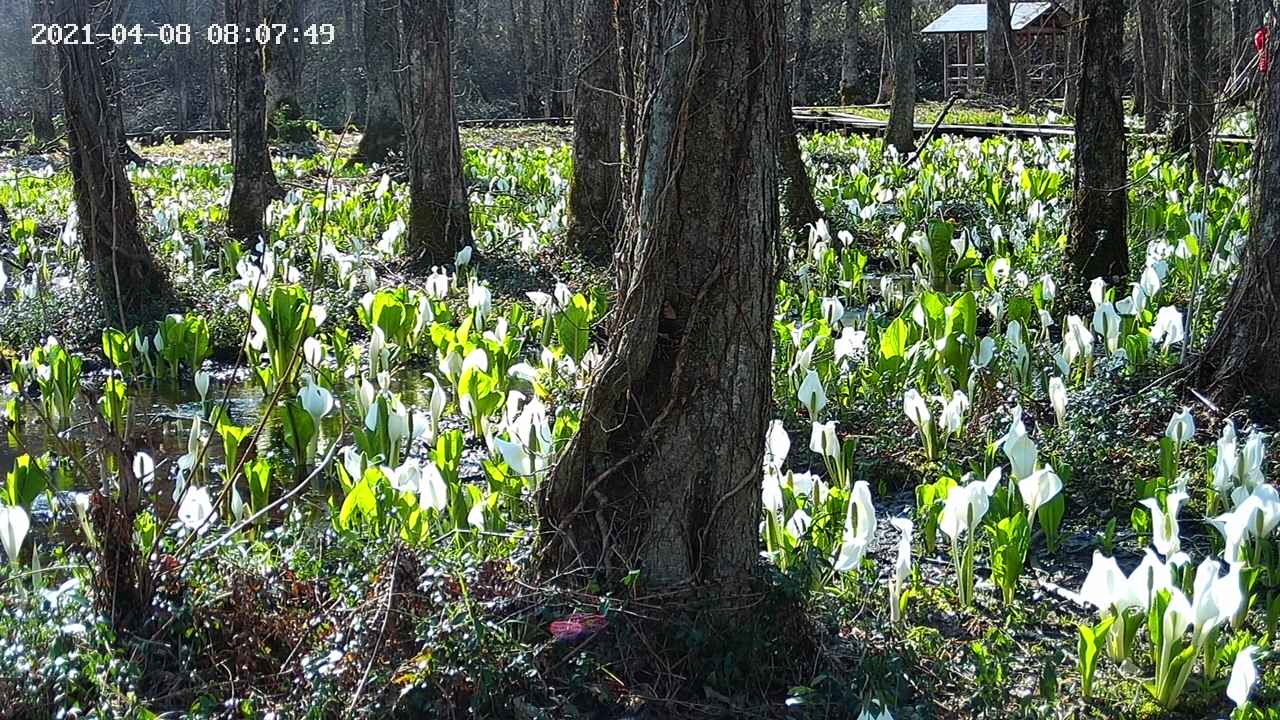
824, 119
805, 117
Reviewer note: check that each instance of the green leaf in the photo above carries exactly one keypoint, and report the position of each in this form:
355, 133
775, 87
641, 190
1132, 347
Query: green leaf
1087, 650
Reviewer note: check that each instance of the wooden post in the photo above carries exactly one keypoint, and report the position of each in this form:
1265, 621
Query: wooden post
946, 64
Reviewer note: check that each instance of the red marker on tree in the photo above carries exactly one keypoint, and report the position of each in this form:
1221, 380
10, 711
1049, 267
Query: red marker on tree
1260, 42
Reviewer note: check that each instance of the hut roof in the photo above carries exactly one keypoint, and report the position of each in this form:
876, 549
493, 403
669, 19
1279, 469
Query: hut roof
972, 17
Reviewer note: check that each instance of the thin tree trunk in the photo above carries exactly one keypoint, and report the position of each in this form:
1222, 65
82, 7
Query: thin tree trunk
885, 91
1240, 357
253, 182
1153, 55
554, 39
439, 214
43, 66
1071, 92
1099, 212
1178, 75
383, 131
130, 284
800, 66
626, 11
1201, 82
527, 61
284, 67
181, 70
902, 122
664, 473
595, 192
1139, 72
217, 72
346, 62
849, 53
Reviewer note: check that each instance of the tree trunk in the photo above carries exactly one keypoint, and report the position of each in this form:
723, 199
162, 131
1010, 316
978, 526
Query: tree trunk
999, 49
1153, 54
800, 66
1246, 18
1139, 79
626, 10
902, 122
664, 474
849, 53
798, 206
217, 73
1177, 75
885, 91
439, 215
253, 184
130, 284
181, 60
527, 59
1240, 357
383, 131
554, 39
1071, 91
1201, 83
1099, 212
595, 191
44, 59
284, 66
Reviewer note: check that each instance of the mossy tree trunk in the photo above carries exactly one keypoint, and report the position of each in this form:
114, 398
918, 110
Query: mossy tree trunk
595, 192
1100, 205
383, 131
664, 474
130, 284
253, 184
439, 214
1240, 357
43, 69
901, 132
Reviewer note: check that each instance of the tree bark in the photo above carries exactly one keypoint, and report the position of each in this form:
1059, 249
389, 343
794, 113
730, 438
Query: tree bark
664, 474
595, 191
1201, 82
383, 131
1246, 18
554, 38
849, 53
1240, 357
439, 214
526, 60
1099, 211
799, 210
217, 114
1071, 91
130, 284
1177, 75
253, 183
284, 66
999, 49
800, 66
1151, 42
902, 122
44, 60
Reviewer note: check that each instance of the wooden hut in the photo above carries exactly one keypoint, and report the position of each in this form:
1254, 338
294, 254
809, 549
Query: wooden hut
1040, 31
